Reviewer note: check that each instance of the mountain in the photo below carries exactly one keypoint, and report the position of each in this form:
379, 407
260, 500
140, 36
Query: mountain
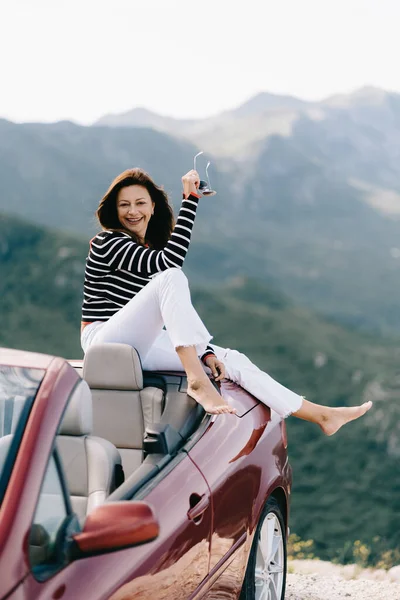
236, 134
56, 174
345, 487
225, 134
141, 117
264, 101
313, 211
365, 96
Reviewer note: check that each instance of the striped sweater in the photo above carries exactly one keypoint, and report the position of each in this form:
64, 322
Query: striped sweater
117, 267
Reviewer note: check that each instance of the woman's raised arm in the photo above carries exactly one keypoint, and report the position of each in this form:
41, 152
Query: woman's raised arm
119, 251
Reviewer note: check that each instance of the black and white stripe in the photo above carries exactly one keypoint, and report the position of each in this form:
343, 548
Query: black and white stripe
117, 268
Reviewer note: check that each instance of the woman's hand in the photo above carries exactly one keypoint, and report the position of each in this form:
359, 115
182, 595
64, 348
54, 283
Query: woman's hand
191, 182
217, 367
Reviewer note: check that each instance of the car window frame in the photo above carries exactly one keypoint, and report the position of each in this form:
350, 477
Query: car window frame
166, 464
69, 522
15, 445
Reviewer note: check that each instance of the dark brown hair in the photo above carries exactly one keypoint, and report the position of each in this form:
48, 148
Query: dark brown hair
161, 223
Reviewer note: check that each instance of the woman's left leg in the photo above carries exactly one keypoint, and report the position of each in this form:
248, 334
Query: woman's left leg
285, 402
241, 370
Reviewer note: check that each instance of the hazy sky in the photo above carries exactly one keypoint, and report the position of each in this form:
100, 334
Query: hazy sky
80, 59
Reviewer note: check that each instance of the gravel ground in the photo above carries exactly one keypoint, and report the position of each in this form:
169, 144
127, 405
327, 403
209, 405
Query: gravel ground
310, 587
315, 580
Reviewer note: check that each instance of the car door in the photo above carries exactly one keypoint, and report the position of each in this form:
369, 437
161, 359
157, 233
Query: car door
230, 459
173, 565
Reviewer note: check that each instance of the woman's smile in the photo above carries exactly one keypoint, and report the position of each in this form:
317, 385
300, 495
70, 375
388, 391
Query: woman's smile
131, 220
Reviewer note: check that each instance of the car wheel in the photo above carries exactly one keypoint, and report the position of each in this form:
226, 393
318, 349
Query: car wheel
265, 577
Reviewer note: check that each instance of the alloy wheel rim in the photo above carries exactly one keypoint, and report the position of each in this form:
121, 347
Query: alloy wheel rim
270, 560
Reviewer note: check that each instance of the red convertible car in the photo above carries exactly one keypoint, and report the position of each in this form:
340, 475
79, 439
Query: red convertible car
115, 485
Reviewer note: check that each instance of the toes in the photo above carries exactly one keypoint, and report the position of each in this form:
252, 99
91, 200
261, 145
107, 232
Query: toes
223, 409
220, 409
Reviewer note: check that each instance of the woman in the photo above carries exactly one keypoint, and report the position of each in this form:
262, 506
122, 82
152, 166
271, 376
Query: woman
134, 286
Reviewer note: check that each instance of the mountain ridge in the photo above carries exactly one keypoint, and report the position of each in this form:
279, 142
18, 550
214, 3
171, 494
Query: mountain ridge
263, 101
236, 133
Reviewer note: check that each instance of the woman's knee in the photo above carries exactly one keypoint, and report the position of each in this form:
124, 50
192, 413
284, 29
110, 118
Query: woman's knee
238, 361
172, 274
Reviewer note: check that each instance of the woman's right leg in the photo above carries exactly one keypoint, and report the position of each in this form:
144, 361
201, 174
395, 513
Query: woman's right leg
166, 301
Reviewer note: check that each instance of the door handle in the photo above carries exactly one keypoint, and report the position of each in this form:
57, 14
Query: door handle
198, 506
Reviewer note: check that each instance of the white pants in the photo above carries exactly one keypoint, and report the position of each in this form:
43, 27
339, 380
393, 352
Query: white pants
166, 301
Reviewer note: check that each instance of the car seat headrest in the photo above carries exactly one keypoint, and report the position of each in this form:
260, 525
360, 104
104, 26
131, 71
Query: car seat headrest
113, 366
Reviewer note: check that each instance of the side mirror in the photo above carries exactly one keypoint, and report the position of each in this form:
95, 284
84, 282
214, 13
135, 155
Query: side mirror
115, 526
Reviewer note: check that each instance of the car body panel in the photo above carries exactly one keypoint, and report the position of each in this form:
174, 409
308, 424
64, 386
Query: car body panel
238, 449
171, 566
225, 467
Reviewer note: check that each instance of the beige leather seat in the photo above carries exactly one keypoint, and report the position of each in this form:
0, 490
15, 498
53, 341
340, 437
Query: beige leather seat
92, 465
122, 408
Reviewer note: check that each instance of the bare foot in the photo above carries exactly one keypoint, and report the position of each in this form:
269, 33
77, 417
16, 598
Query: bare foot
335, 418
205, 394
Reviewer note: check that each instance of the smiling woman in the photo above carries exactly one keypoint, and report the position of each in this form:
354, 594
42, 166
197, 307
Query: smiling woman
140, 247
135, 293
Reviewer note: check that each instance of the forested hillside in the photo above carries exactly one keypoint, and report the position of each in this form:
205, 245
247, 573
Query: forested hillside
345, 487
40, 288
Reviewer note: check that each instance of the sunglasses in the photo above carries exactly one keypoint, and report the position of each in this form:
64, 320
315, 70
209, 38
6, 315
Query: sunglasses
205, 186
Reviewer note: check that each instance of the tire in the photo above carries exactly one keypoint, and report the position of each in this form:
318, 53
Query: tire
265, 577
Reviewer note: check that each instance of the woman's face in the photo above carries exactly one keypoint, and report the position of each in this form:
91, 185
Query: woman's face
134, 209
